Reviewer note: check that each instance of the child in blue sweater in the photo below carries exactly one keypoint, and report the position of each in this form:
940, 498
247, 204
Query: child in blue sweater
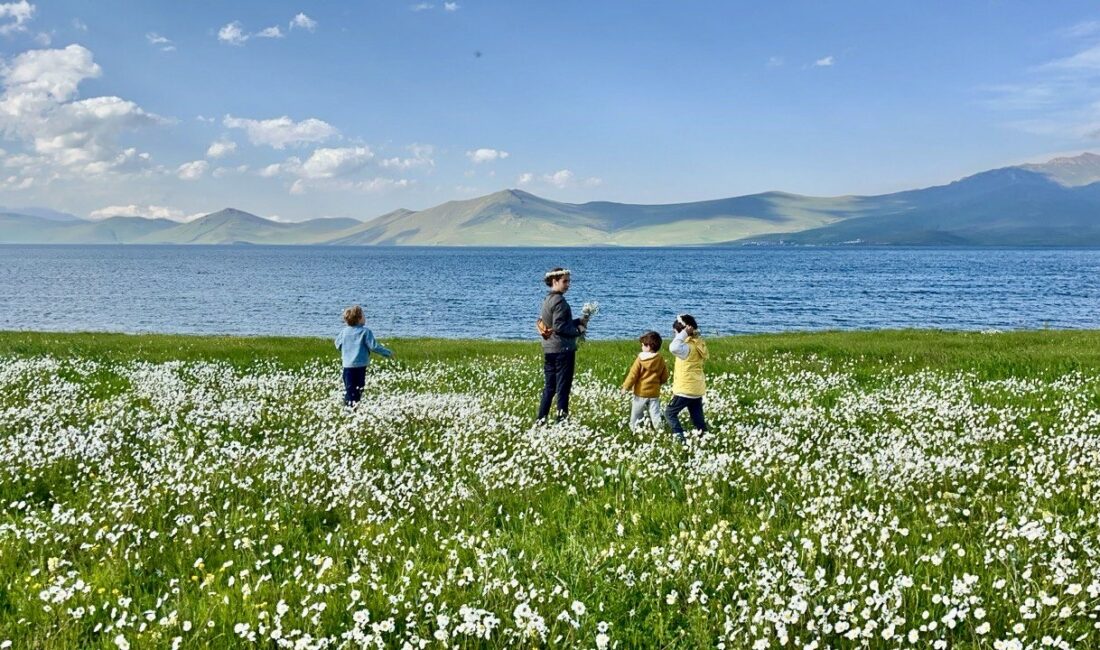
355, 343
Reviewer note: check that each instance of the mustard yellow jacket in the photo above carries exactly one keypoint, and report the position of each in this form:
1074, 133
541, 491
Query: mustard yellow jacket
646, 376
687, 374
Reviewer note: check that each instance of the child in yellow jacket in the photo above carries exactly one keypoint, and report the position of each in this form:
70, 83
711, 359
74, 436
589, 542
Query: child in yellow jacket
688, 382
645, 378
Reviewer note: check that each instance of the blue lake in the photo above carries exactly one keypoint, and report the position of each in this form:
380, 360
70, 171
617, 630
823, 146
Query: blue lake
496, 292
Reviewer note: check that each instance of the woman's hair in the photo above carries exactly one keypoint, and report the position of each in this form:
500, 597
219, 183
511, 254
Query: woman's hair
554, 274
651, 339
685, 320
354, 315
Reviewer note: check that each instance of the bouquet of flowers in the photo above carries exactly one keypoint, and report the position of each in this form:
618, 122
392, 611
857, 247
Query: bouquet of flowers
589, 310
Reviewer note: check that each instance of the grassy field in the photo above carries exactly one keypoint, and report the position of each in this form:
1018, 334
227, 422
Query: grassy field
883, 489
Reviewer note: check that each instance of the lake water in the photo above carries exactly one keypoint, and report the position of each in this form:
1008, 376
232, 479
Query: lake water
496, 292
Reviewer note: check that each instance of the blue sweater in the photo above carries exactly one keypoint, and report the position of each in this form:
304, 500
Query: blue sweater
355, 343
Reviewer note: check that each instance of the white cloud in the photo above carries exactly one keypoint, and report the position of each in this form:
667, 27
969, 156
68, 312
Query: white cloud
14, 16
275, 169
208, 120
1087, 59
450, 6
335, 169
80, 136
16, 183
775, 61
560, 178
79, 25
221, 148
282, 131
134, 210
270, 32
43, 38
423, 6
381, 184
421, 157
302, 21
1059, 98
478, 156
192, 171
824, 62
330, 163
222, 172
232, 34
1082, 29
39, 77
165, 44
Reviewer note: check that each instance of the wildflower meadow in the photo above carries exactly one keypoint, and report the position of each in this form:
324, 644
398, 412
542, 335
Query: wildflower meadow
856, 490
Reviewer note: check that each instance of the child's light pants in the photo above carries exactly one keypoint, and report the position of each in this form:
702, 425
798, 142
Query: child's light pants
638, 408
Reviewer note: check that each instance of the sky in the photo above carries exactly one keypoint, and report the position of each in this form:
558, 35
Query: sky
305, 109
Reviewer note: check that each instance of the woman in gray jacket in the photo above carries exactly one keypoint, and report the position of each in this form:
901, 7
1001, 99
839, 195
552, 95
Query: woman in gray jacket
559, 343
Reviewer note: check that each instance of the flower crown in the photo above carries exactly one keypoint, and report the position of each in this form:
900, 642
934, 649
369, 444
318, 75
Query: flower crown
556, 274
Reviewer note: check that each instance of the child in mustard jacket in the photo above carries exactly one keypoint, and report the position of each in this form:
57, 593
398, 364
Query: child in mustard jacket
645, 378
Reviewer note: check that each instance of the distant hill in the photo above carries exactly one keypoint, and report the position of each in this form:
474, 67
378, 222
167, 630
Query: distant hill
518, 218
1033, 205
1056, 203
45, 213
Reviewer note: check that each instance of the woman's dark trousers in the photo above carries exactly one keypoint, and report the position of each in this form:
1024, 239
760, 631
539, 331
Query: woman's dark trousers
558, 370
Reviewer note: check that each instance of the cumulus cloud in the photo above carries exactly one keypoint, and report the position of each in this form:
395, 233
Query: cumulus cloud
421, 157
330, 163
824, 62
221, 148
222, 172
302, 21
232, 34
270, 32
282, 131
38, 106
560, 179
340, 168
192, 171
478, 156
235, 34
134, 210
450, 6
14, 16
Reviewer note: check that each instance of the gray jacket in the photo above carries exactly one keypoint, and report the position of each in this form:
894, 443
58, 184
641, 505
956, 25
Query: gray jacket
557, 315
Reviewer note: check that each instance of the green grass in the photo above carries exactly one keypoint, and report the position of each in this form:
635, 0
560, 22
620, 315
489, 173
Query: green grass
866, 474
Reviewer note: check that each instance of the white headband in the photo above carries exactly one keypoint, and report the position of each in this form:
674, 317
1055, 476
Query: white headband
680, 320
556, 274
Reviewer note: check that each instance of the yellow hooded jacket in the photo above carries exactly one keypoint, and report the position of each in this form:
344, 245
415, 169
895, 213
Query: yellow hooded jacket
687, 375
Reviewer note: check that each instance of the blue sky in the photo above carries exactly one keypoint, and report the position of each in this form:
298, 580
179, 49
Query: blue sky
305, 109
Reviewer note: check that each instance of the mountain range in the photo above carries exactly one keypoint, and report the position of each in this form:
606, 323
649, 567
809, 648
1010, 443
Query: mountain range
1056, 203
